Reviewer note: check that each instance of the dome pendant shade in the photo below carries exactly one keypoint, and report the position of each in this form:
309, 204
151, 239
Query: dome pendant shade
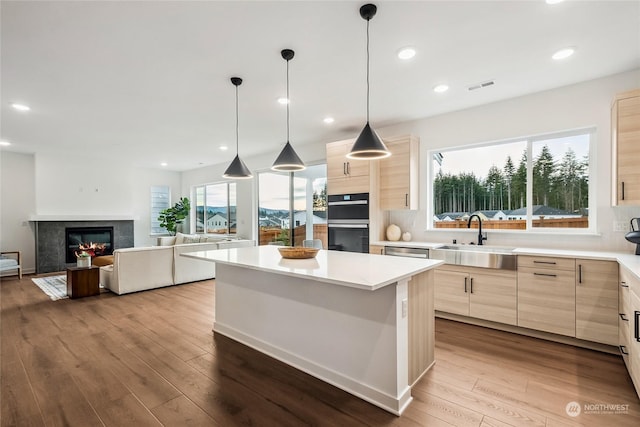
368, 146
288, 160
237, 170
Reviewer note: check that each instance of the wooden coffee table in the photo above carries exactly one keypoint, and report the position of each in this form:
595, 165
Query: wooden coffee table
83, 281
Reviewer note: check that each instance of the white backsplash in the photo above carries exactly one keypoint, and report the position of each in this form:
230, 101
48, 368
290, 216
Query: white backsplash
606, 239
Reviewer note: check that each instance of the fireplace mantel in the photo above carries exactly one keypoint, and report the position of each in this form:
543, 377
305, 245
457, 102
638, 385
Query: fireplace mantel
37, 218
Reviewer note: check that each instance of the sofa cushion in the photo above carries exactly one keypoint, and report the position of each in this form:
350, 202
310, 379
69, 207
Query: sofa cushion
191, 239
180, 238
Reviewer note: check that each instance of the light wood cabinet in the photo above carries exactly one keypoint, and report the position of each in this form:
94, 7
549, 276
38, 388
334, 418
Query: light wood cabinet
421, 325
398, 183
625, 140
376, 249
346, 176
547, 294
634, 338
477, 292
624, 316
597, 301
451, 291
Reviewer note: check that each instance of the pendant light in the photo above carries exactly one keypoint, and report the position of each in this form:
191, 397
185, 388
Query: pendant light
288, 160
368, 146
237, 169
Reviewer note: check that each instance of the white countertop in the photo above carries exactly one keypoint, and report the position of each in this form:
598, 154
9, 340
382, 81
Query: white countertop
629, 261
356, 270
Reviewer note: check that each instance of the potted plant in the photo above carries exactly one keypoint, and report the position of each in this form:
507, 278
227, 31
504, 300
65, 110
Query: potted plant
171, 218
83, 259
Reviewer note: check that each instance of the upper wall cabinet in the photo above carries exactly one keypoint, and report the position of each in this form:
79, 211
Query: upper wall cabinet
625, 140
346, 176
399, 174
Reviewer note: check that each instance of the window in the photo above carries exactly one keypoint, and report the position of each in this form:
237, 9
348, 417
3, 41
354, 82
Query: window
533, 183
160, 200
300, 199
215, 211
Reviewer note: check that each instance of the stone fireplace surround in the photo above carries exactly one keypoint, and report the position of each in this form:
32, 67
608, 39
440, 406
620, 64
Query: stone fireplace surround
50, 240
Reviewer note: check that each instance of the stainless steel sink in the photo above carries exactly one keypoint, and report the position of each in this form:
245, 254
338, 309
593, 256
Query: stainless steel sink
476, 256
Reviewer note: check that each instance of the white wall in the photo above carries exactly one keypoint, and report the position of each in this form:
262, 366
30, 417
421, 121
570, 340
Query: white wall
578, 106
56, 184
142, 180
68, 184
17, 187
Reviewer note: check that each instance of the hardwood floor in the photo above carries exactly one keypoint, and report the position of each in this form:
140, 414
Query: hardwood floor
150, 358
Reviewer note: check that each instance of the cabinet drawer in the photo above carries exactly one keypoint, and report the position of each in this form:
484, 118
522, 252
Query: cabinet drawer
623, 340
546, 262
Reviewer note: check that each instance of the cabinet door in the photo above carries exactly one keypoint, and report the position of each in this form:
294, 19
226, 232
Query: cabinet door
348, 185
375, 249
547, 300
626, 128
493, 296
336, 160
597, 301
345, 176
624, 316
634, 340
451, 292
399, 175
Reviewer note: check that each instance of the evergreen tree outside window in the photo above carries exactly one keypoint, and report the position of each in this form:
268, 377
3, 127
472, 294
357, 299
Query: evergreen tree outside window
548, 187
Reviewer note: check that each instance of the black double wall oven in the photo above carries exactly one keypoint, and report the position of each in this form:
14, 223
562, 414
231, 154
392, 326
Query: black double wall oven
348, 222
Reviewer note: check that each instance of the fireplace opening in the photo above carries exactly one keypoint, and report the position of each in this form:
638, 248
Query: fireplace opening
96, 241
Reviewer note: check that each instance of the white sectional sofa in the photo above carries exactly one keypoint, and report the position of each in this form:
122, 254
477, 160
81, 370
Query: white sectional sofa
139, 269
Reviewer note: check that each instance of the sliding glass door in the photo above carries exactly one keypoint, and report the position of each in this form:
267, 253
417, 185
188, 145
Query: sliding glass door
292, 206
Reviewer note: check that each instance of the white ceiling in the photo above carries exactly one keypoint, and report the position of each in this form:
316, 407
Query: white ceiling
149, 81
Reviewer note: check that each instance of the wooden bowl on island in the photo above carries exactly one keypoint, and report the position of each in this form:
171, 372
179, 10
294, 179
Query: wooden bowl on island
297, 252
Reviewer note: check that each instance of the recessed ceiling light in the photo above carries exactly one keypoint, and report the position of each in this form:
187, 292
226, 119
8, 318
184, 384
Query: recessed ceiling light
223, 148
283, 101
5, 143
563, 53
20, 107
554, 1
441, 88
406, 53
163, 164
328, 120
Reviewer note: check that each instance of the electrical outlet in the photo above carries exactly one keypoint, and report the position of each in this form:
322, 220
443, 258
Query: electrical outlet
405, 304
621, 226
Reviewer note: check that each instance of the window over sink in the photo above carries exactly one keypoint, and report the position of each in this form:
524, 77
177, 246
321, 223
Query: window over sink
528, 184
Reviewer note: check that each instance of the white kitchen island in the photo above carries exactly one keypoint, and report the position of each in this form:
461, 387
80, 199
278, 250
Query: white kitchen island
364, 323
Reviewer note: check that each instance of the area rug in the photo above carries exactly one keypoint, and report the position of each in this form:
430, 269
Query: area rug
54, 286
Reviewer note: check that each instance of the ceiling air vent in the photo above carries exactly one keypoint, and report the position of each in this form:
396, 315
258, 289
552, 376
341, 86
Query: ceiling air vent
481, 85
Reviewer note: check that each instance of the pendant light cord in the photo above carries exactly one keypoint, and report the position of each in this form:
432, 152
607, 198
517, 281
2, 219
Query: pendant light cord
237, 124
367, 70
288, 100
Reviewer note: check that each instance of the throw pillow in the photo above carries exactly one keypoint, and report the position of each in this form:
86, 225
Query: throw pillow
179, 238
191, 239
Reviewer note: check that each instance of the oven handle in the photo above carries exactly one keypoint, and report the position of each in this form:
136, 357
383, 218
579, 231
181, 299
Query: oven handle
348, 225
349, 202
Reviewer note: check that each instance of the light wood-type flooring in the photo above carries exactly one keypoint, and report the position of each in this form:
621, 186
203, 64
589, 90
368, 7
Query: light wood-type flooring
150, 358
